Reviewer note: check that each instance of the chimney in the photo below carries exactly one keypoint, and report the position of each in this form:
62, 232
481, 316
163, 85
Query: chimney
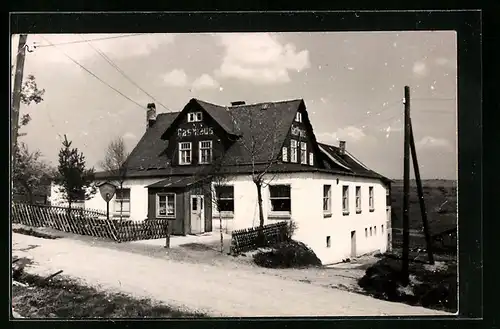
237, 103
151, 115
342, 147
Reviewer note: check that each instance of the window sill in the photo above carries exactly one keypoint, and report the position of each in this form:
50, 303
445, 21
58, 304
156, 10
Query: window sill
345, 213
122, 215
327, 215
223, 215
372, 210
279, 216
358, 211
165, 217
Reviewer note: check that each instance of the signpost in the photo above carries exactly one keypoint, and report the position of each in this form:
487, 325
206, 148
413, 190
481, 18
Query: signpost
107, 191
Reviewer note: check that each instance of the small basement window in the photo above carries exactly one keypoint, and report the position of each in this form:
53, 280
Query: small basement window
382, 229
328, 242
374, 230
371, 231
366, 232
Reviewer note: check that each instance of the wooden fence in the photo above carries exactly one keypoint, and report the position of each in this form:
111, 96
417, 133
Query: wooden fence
248, 239
87, 222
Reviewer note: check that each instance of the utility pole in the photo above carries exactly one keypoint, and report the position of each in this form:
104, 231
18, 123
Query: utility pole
421, 196
16, 94
406, 188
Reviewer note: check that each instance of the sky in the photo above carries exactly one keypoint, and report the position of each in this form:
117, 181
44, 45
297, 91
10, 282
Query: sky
352, 84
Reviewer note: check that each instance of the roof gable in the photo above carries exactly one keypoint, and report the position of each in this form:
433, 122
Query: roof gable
263, 129
218, 113
147, 154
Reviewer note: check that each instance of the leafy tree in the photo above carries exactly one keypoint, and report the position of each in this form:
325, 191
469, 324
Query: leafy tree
75, 181
115, 164
31, 175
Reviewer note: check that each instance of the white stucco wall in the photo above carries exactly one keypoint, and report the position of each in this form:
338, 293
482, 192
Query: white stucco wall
138, 198
307, 212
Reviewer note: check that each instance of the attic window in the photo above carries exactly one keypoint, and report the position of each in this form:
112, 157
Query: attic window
298, 117
195, 117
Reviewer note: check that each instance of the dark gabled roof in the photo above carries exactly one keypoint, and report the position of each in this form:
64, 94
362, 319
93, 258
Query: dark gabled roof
175, 181
220, 114
147, 154
349, 163
263, 128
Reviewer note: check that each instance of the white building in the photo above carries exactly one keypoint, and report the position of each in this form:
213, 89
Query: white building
338, 204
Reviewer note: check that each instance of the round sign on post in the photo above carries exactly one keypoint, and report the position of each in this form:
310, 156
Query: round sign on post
107, 191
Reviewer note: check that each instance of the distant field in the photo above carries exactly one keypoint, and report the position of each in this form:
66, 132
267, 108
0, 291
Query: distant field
440, 198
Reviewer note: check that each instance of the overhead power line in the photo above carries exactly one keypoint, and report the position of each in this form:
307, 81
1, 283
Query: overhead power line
96, 39
114, 65
95, 76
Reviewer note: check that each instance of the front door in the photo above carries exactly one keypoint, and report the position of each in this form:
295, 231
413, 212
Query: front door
197, 214
353, 244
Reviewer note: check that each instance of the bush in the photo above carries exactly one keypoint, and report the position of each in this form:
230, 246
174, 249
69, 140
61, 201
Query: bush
290, 254
432, 289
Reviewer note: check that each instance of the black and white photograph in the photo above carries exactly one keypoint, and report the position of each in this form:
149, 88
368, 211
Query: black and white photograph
234, 174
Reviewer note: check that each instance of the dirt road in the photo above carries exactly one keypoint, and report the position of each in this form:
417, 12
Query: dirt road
214, 290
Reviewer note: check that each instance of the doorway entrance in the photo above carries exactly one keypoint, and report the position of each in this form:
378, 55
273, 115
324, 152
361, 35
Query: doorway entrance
353, 244
197, 214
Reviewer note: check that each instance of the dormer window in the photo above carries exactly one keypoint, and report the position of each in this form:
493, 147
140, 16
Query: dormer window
205, 152
284, 154
195, 117
298, 117
185, 153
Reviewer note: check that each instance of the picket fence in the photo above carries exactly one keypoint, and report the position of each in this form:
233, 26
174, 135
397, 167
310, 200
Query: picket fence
87, 222
248, 239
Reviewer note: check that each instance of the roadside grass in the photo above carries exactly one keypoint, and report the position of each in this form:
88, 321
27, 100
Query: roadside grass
64, 298
35, 233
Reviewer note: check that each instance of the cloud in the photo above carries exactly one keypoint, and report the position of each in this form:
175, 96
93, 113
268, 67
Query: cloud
429, 142
175, 78
205, 81
349, 133
442, 61
129, 135
260, 58
420, 68
116, 46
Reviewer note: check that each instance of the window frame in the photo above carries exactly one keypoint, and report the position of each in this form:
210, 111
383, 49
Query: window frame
328, 241
303, 153
279, 214
345, 196
298, 117
200, 149
371, 198
294, 154
195, 116
157, 210
358, 199
181, 162
224, 213
284, 154
311, 158
328, 198
116, 203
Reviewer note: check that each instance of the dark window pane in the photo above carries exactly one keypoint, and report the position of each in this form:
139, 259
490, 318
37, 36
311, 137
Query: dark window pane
226, 205
225, 192
281, 205
279, 191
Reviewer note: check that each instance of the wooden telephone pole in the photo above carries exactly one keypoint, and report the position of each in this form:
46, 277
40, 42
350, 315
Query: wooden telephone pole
409, 145
16, 94
420, 192
406, 189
